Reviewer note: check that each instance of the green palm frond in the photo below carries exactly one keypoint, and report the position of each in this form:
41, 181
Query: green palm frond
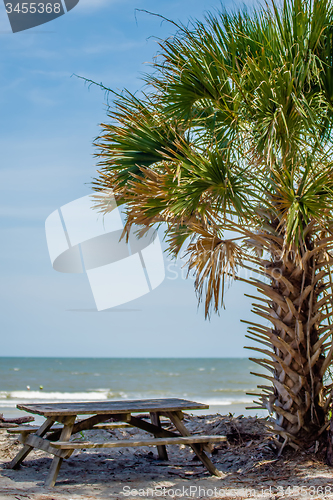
229, 146
139, 137
236, 114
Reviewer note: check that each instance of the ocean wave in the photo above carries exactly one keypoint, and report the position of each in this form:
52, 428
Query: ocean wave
232, 390
226, 401
12, 398
54, 396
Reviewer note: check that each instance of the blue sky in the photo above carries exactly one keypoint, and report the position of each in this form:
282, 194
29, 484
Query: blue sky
49, 120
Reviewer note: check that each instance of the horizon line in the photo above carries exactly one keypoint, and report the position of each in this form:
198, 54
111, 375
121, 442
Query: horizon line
124, 357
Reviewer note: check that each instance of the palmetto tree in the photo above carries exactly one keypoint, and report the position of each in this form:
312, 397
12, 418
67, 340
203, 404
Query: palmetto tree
230, 148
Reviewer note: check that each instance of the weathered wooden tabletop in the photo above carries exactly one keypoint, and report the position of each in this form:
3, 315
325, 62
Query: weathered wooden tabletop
57, 442
112, 407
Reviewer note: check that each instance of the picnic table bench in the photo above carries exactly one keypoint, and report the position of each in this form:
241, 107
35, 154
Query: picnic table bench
55, 439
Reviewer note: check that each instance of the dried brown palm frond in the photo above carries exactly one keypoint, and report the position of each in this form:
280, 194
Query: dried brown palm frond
213, 260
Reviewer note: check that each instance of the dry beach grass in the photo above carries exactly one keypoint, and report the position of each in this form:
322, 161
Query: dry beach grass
248, 460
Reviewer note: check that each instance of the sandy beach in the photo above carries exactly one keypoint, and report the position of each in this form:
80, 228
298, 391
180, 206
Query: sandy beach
250, 466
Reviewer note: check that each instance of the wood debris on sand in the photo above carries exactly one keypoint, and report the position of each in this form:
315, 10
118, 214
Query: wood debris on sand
6, 423
248, 460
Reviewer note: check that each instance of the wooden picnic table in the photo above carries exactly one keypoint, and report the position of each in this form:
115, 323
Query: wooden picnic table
55, 439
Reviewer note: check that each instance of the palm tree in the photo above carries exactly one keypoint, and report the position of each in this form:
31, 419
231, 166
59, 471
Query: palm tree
229, 148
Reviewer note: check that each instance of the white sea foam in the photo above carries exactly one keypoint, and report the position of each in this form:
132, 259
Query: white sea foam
226, 401
53, 396
232, 390
11, 398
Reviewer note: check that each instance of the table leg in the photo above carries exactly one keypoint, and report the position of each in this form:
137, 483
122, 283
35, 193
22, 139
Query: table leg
24, 452
176, 420
83, 425
161, 449
57, 461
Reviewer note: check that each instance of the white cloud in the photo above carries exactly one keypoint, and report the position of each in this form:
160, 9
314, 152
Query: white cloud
96, 4
25, 212
40, 98
4, 21
119, 47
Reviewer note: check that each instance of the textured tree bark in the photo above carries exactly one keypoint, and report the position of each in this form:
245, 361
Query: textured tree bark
329, 453
297, 303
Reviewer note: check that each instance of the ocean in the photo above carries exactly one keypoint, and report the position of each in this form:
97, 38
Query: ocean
222, 383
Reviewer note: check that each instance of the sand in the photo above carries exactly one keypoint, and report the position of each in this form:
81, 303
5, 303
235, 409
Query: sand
248, 460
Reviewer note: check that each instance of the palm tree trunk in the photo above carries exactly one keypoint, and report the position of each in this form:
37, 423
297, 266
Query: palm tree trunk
296, 302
